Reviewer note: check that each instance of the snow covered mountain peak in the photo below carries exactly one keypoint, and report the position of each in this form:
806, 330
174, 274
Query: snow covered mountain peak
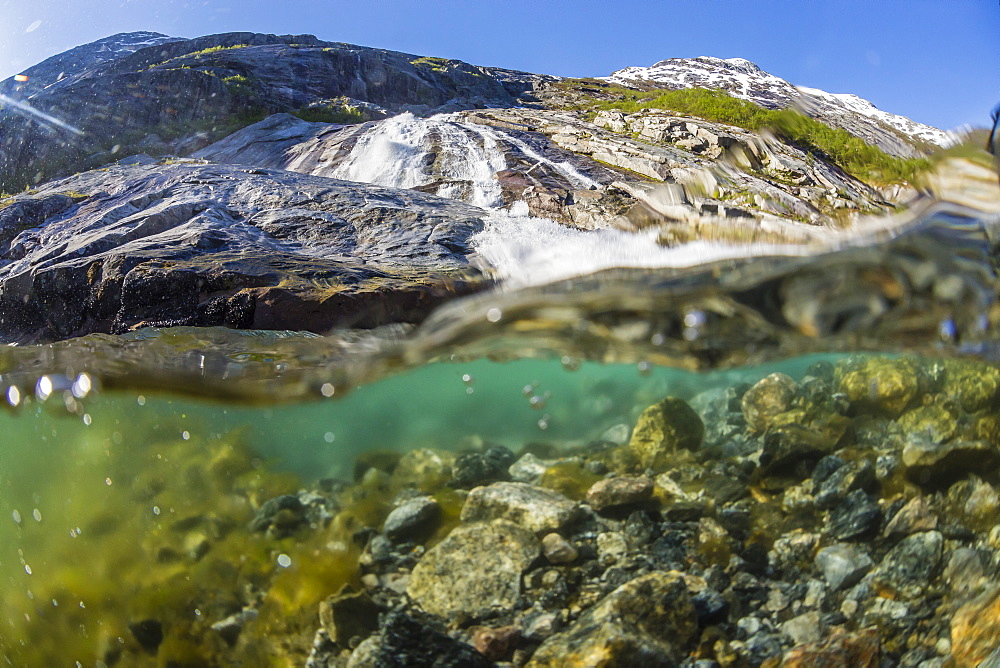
741, 78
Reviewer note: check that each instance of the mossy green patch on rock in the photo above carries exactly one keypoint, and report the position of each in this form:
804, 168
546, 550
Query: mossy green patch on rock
880, 385
663, 429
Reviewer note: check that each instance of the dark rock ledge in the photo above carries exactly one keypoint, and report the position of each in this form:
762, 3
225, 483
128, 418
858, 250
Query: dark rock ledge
193, 244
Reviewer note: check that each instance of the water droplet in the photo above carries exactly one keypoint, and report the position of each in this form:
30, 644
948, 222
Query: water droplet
87, 419
186, 435
141, 400
82, 386
17, 517
467, 378
569, 363
329, 437
644, 367
284, 560
469, 390
156, 510
43, 388
658, 339
327, 390
494, 314
37, 514
107, 481
13, 395
27, 569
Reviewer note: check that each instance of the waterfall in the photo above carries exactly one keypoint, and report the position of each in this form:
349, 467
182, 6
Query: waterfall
459, 160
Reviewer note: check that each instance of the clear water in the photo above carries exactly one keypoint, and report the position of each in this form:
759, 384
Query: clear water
132, 500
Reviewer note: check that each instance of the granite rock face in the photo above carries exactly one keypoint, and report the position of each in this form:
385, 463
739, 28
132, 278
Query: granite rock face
210, 84
107, 250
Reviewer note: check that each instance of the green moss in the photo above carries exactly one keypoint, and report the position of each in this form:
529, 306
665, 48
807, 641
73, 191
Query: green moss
343, 114
436, 64
840, 147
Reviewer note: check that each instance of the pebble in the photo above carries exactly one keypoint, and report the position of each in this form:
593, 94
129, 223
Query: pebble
619, 492
534, 508
915, 516
843, 565
412, 518
558, 550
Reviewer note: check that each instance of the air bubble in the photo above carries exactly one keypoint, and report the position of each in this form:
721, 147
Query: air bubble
284, 560
327, 390
494, 314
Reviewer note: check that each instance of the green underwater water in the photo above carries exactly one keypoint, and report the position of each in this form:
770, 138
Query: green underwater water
104, 510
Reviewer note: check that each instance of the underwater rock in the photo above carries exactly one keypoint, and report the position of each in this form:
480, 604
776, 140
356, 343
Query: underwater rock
647, 621
836, 486
411, 518
804, 628
932, 422
620, 492
664, 428
860, 649
494, 643
937, 464
915, 516
558, 550
843, 565
476, 568
768, 398
475, 468
348, 615
423, 469
793, 448
964, 571
280, 516
534, 508
975, 629
529, 469
910, 567
974, 384
857, 516
408, 640
148, 633
881, 385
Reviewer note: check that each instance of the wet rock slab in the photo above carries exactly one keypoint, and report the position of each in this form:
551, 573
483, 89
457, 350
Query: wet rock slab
194, 244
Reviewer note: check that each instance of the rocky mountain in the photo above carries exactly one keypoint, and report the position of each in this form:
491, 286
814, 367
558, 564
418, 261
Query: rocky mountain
396, 182
176, 96
739, 77
64, 68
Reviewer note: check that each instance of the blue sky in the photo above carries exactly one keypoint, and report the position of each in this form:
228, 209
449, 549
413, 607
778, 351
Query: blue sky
936, 62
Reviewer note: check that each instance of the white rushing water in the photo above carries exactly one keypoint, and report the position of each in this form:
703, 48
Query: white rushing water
463, 159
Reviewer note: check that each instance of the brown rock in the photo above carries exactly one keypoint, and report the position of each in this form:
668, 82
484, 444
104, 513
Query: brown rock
975, 629
858, 650
558, 550
915, 516
494, 643
616, 493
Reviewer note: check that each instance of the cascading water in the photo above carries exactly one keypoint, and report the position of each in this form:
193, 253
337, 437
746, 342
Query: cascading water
460, 160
